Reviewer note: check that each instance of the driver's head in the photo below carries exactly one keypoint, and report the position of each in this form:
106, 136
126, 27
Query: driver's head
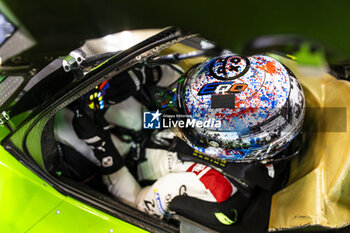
258, 103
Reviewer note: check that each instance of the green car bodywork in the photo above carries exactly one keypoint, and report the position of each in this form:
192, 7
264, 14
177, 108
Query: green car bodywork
29, 204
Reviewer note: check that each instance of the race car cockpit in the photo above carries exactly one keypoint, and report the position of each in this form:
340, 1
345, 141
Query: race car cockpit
304, 185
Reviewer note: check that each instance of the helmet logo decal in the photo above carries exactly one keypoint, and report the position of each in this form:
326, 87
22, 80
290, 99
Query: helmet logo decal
222, 88
229, 68
223, 94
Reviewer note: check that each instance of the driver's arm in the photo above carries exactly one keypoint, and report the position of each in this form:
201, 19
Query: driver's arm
116, 176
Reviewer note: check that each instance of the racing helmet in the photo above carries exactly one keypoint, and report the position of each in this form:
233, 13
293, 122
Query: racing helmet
241, 108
